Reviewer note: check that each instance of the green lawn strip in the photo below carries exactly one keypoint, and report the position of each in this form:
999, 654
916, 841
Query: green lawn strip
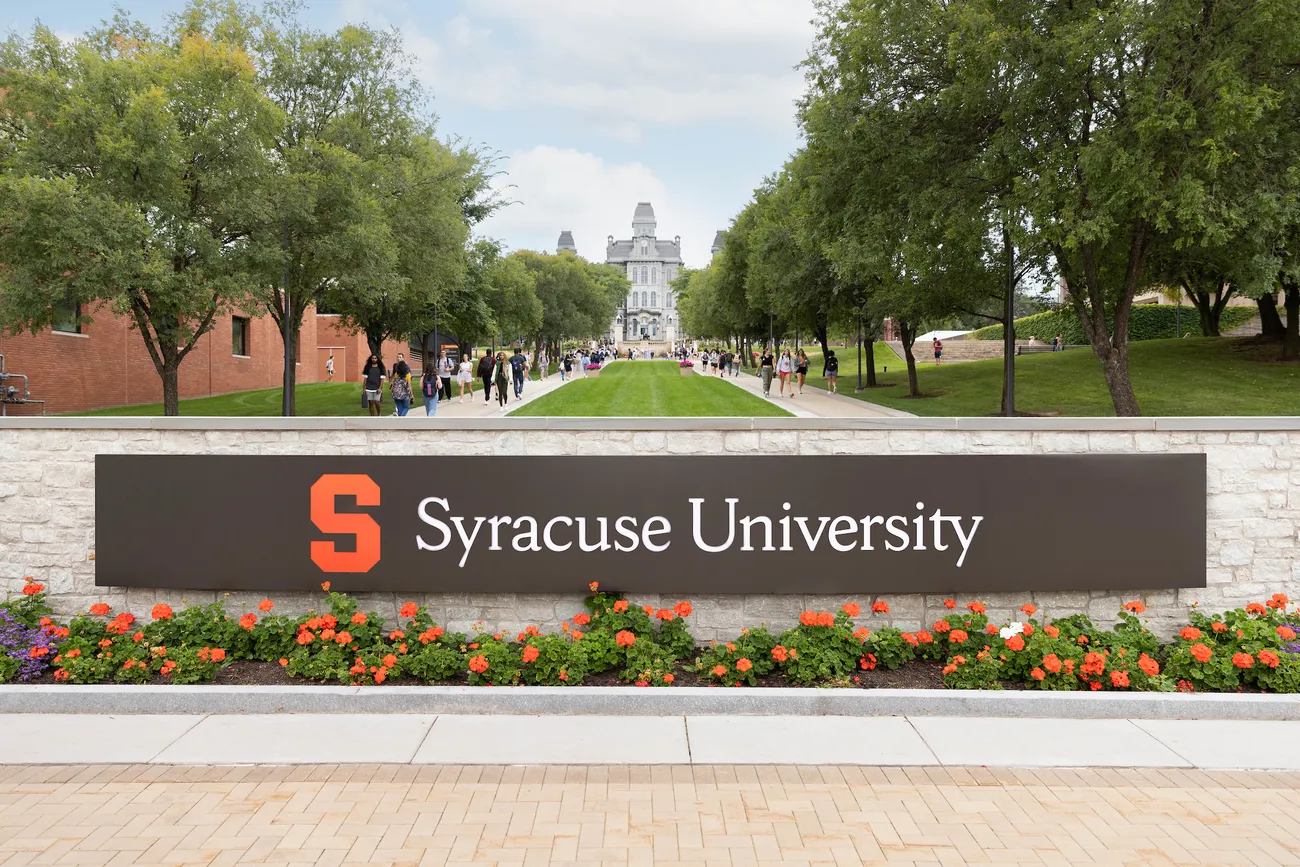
1193, 376
646, 389
314, 399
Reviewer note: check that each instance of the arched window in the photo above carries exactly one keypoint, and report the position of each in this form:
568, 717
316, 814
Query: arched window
654, 275
644, 248
645, 274
654, 299
631, 299
644, 302
633, 273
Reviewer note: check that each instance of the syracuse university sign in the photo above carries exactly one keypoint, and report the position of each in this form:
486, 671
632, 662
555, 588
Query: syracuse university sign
741, 524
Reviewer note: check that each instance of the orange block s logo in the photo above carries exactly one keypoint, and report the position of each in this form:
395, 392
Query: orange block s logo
327, 520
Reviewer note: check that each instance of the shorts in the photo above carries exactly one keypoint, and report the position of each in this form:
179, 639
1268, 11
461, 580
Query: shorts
938, 355
375, 396
803, 371
464, 377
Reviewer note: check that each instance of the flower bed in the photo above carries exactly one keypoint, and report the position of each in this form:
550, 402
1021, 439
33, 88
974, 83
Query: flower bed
611, 641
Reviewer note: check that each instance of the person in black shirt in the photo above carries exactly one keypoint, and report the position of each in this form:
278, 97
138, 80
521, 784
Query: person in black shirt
766, 368
831, 370
373, 376
518, 369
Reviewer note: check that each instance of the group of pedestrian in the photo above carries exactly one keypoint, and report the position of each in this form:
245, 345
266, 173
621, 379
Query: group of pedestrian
436, 380
790, 369
722, 362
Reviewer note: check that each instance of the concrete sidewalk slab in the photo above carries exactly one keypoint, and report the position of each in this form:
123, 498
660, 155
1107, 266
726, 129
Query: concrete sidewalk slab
539, 740
1044, 743
70, 739
795, 740
1230, 744
291, 739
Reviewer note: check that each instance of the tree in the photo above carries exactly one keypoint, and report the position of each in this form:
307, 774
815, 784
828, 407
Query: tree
575, 303
130, 164
511, 295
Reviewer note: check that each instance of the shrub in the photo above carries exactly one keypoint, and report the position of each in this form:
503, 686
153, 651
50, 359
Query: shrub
744, 660
822, 647
551, 660
26, 650
492, 662
891, 647
979, 673
649, 664
8, 668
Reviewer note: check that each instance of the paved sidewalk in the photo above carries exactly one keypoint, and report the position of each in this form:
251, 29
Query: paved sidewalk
814, 402
63, 739
477, 407
709, 815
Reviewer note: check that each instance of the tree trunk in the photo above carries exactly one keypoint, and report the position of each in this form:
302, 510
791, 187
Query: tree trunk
1114, 365
170, 374
869, 348
1291, 342
1009, 329
1270, 322
908, 336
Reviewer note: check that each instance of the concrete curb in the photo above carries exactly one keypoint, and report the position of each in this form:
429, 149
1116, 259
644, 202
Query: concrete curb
634, 701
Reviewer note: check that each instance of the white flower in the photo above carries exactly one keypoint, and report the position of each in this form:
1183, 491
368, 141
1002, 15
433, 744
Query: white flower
1014, 629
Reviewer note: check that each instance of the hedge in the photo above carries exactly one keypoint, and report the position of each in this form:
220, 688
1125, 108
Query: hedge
1147, 322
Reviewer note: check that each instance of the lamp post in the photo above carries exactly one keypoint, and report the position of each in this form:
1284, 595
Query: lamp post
286, 397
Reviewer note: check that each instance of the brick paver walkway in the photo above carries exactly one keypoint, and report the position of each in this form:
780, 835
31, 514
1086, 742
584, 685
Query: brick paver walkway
400, 814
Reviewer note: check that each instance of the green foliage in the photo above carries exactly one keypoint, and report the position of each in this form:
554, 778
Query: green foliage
722, 663
820, 652
649, 664
555, 661
8, 668
434, 662
890, 648
979, 672
598, 651
1146, 322
492, 662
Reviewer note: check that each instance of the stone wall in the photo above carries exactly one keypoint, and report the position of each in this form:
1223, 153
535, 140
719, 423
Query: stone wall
47, 498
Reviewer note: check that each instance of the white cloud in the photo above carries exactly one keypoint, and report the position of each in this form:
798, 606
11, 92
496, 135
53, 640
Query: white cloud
562, 189
616, 67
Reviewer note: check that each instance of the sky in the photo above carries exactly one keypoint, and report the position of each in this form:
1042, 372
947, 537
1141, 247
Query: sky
592, 105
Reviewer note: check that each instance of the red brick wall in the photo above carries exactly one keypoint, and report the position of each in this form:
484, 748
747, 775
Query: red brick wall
108, 364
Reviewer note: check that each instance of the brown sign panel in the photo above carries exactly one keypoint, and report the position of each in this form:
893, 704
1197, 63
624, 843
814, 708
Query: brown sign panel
740, 524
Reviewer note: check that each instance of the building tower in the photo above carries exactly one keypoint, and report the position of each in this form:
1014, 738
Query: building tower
717, 243
566, 243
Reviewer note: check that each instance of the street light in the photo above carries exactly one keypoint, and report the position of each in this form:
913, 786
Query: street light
860, 387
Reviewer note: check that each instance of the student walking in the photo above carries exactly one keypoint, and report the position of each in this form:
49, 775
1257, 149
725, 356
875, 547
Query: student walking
766, 367
831, 370
784, 366
372, 380
445, 369
430, 389
485, 365
938, 351
542, 363
466, 378
518, 370
401, 389
800, 369
501, 376
329, 368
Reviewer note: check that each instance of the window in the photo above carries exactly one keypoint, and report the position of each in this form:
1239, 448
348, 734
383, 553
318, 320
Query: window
654, 299
633, 273
644, 248
645, 274
644, 300
654, 275
238, 336
67, 317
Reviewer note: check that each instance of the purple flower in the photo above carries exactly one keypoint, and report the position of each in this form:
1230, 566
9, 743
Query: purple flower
1293, 647
17, 641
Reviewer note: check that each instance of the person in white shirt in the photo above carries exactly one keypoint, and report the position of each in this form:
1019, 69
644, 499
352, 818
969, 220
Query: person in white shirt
466, 378
784, 366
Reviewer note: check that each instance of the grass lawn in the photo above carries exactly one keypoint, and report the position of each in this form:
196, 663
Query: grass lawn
319, 398
648, 388
1194, 376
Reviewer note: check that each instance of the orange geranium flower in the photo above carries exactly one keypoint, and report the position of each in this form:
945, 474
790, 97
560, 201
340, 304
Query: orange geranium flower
1119, 679
1256, 608
396, 635
976, 607
957, 636
1082, 639
343, 637
359, 619
1189, 633
808, 618
1135, 606
410, 609
575, 635
668, 678
924, 637
327, 635
31, 588
531, 653
665, 614
306, 637
949, 669
99, 609
217, 654
1219, 626
825, 619
1269, 658
743, 664
247, 622
582, 618
1148, 665
478, 663
1278, 601
389, 660
1029, 630
719, 670
852, 609
593, 586
941, 626
1015, 643
620, 606
325, 585
683, 609
880, 606
1201, 652
1286, 633
1038, 674
950, 603
265, 605
624, 638
991, 628
1051, 631
1052, 663
1243, 660
779, 653
1029, 609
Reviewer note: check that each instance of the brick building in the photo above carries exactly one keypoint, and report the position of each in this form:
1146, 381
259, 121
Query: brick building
104, 363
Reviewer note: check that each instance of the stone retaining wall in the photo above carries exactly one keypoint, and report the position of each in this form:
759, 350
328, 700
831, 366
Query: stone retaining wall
47, 498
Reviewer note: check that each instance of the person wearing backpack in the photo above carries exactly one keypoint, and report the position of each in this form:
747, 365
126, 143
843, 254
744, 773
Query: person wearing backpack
831, 370
400, 386
430, 389
484, 371
518, 370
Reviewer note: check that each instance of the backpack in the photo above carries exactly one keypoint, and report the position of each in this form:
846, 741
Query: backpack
429, 385
485, 366
401, 388
517, 364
